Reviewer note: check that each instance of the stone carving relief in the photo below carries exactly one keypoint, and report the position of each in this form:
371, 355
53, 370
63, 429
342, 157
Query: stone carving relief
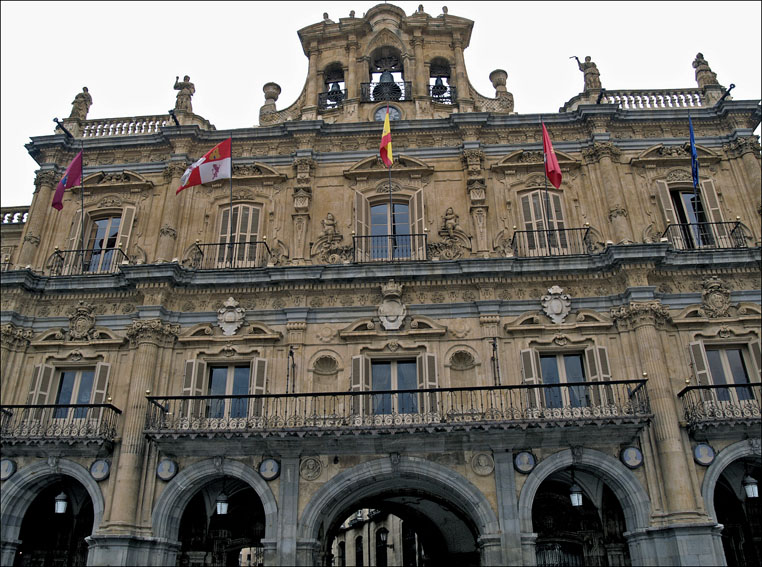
310, 468
715, 299
392, 311
556, 304
81, 324
230, 317
328, 248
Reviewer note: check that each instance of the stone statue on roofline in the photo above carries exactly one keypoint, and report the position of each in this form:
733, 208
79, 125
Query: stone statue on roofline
187, 90
591, 74
81, 105
704, 74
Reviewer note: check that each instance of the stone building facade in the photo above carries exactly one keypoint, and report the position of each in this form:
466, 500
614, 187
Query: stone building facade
459, 348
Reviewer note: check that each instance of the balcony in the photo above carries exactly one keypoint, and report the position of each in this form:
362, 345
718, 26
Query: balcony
331, 99
78, 425
554, 242
622, 403
443, 94
386, 91
390, 248
216, 256
705, 235
722, 408
92, 261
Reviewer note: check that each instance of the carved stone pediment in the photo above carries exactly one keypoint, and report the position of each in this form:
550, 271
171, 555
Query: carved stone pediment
258, 171
529, 160
679, 154
125, 179
373, 167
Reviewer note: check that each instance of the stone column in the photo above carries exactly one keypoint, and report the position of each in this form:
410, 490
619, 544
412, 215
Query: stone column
748, 149
507, 508
13, 342
288, 510
465, 102
165, 250
420, 86
309, 111
353, 90
146, 337
644, 319
44, 183
603, 153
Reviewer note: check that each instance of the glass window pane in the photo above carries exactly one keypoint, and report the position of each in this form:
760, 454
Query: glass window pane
217, 386
407, 379
65, 391
83, 392
575, 373
382, 380
239, 406
718, 374
549, 368
738, 372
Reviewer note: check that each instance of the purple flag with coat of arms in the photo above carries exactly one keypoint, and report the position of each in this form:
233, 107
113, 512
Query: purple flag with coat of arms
71, 178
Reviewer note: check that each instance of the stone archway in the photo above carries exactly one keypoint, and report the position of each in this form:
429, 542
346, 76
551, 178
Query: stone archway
631, 495
730, 454
169, 508
21, 489
381, 475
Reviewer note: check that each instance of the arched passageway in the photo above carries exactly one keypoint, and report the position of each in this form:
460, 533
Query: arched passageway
442, 518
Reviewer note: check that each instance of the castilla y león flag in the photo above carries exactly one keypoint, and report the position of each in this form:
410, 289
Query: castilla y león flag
216, 164
386, 143
71, 178
552, 169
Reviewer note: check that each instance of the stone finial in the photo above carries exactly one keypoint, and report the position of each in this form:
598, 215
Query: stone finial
80, 106
272, 91
186, 91
498, 77
704, 74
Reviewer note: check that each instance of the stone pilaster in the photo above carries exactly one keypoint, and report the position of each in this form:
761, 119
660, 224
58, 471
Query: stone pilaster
43, 195
302, 201
288, 504
604, 153
165, 250
13, 342
644, 320
507, 508
476, 189
146, 337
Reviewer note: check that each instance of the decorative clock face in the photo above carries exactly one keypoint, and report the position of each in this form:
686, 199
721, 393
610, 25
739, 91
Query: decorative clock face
394, 114
269, 469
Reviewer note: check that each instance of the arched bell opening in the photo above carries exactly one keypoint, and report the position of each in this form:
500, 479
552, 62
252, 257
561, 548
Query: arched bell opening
387, 77
440, 89
222, 525
334, 87
739, 511
578, 521
55, 526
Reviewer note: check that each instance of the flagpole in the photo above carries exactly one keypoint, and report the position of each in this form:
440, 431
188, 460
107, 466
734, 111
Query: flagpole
547, 199
82, 195
230, 240
391, 204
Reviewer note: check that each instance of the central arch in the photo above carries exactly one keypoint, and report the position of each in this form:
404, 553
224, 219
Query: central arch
379, 476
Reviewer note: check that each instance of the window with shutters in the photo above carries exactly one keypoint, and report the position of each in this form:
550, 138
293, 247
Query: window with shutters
67, 387
223, 391
104, 233
389, 231
391, 376
565, 369
691, 217
243, 234
543, 217
726, 365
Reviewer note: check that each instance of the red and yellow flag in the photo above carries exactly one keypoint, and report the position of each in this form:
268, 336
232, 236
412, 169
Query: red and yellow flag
386, 142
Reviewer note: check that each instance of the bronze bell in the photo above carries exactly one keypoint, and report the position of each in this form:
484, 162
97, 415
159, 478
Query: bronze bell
439, 87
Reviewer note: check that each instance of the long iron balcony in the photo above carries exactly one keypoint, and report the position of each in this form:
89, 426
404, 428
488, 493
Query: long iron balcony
52, 424
552, 242
90, 261
390, 248
215, 256
705, 235
622, 401
726, 405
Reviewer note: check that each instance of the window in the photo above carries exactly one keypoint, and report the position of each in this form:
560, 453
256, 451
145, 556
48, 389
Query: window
381, 537
245, 250
439, 81
342, 554
334, 87
691, 217
389, 375
733, 365
104, 233
204, 379
543, 221
69, 386
565, 368
381, 235
358, 551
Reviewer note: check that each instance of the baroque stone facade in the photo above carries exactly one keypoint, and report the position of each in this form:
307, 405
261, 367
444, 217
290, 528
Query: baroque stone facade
432, 363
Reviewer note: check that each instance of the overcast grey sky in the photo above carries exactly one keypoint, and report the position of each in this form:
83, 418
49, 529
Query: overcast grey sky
128, 54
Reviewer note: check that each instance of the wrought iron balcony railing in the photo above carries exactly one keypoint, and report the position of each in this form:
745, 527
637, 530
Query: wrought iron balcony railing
445, 94
721, 405
91, 261
390, 248
58, 423
704, 235
331, 99
553, 242
376, 92
520, 406
247, 254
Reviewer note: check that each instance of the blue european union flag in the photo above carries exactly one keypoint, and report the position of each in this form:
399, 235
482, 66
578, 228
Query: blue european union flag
694, 156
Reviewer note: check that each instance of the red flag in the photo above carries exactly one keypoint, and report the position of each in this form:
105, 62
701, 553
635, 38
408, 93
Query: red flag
386, 142
216, 164
552, 169
71, 178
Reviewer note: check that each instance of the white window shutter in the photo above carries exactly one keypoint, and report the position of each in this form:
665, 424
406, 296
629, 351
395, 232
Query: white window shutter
362, 227
125, 229
530, 370
100, 387
258, 385
665, 200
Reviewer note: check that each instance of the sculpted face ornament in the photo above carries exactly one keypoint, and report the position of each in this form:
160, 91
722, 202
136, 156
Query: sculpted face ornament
556, 304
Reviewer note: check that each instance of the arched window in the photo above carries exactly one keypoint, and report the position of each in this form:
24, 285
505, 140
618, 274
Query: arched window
334, 91
246, 250
439, 87
389, 231
382, 535
358, 552
544, 223
387, 77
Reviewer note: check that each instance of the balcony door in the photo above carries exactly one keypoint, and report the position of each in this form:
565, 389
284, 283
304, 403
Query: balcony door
74, 387
563, 369
390, 233
104, 233
394, 375
723, 366
66, 387
101, 243
544, 222
244, 251
228, 381
692, 217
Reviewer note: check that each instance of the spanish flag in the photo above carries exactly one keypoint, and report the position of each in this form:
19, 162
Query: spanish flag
386, 142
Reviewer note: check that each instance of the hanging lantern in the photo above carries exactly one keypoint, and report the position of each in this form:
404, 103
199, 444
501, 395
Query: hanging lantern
575, 493
750, 486
61, 503
222, 504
